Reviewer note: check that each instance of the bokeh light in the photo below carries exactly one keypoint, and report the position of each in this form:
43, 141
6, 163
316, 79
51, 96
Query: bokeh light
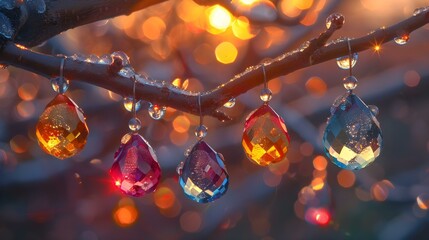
226, 52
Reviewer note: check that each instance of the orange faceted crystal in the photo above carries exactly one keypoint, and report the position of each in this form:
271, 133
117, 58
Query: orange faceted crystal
62, 130
265, 137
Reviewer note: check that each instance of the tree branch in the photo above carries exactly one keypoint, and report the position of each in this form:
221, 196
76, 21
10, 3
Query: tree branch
312, 52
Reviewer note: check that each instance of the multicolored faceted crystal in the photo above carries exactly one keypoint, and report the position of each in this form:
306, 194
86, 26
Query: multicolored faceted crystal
136, 170
203, 177
352, 138
265, 137
61, 130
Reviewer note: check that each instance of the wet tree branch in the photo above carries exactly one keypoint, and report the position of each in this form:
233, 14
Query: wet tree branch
310, 53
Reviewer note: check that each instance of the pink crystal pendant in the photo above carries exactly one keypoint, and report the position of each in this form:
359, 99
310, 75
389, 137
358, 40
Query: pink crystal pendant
136, 170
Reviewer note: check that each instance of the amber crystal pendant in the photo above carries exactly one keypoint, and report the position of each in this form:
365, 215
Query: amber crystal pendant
61, 130
265, 137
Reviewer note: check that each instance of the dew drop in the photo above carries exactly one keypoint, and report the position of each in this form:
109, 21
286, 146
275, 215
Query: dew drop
374, 109
344, 62
128, 104
156, 111
123, 56
105, 59
402, 40
335, 20
230, 103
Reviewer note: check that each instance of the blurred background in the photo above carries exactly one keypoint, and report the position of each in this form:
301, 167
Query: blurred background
197, 48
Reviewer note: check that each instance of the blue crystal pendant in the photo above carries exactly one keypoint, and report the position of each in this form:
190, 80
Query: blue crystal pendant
352, 138
203, 176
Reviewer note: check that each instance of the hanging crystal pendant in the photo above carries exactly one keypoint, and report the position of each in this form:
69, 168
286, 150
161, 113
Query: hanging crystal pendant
136, 170
352, 138
61, 130
265, 137
203, 175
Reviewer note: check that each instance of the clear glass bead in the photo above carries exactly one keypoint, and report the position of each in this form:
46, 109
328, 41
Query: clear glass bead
134, 124
60, 84
201, 131
336, 19
350, 82
128, 104
156, 111
266, 95
344, 62
230, 103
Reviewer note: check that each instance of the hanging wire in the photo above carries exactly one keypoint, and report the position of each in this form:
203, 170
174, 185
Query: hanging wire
63, 62
199, 107
133, 108
265, 77
350, 56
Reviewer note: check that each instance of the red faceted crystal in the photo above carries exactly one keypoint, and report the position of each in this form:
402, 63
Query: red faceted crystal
136, 170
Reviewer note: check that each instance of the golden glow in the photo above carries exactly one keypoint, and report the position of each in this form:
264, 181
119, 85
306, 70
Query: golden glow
241, 28
346, 178
226, 52
27, 91
423, 201
219, 18
164, 198
302, 4
247, 2
316, 86
125, 216
153, 28
178, 139
25, 109
320, 163
181, 124
377, 48
317, 184
181, 84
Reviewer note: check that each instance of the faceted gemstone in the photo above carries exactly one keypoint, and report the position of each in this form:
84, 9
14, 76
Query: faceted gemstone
265, 137
62, 130
203, 176
352, 138
135, 170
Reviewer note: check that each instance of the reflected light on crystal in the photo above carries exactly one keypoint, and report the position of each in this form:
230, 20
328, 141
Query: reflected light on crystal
164, 198
226, 52
346, 178
318, 216
190, 221
125, 216
219, 17
181, 124
412, 78
320, 163
423, 201
316, 86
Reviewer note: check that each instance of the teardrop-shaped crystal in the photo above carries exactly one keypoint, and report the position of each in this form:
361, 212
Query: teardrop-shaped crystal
61, 130
352, 138
265, 137
136, 170
203, 177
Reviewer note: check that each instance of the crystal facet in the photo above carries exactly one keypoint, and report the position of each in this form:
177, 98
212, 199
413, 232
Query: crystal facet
136, 170
61, 130
203, 176
352, 138
265, 137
